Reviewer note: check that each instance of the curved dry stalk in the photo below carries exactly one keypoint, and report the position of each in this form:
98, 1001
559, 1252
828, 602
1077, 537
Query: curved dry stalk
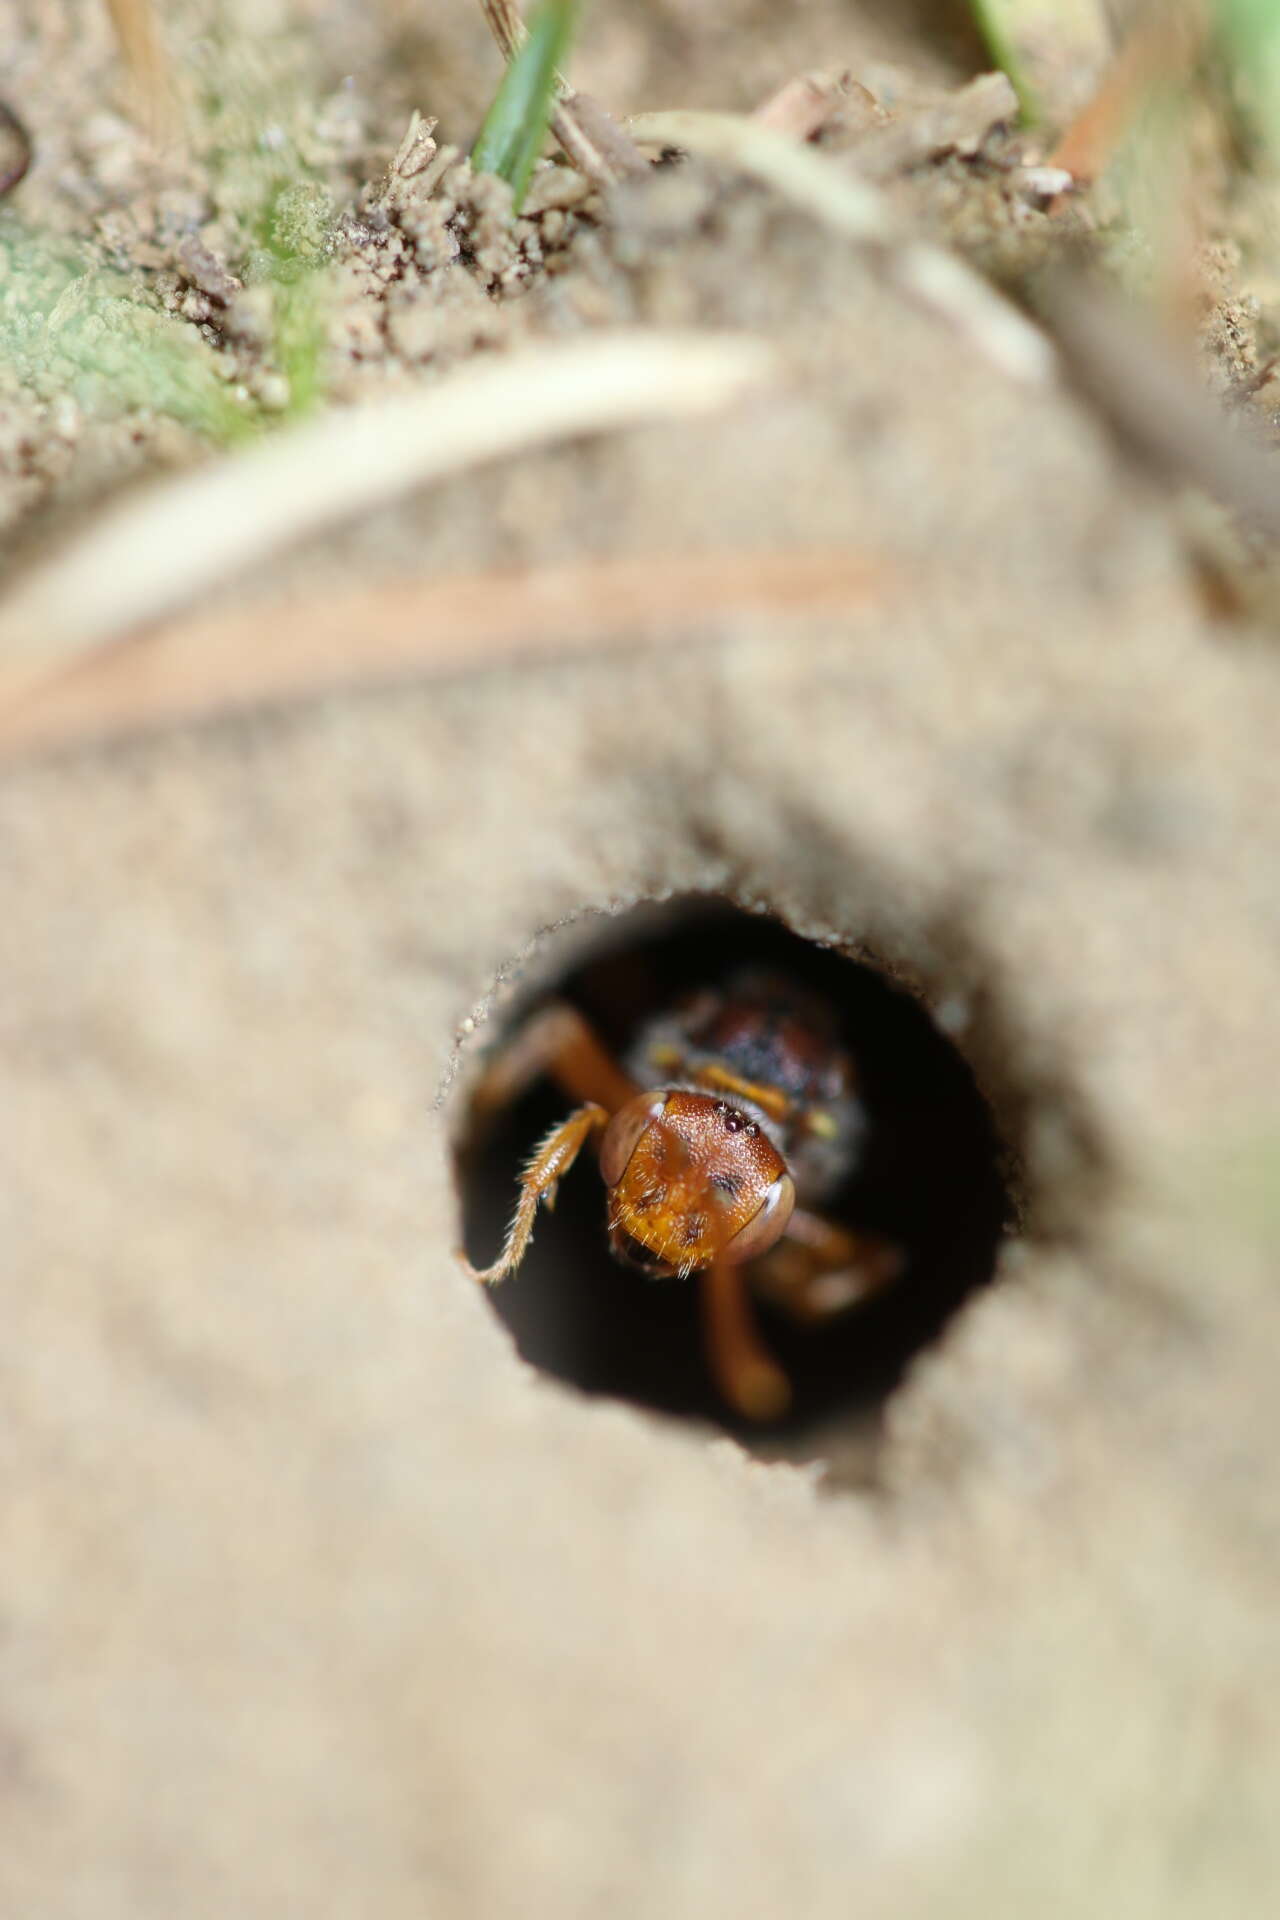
853, 208
165, 548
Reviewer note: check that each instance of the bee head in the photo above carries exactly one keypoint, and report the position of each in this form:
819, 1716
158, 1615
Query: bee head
692, 1178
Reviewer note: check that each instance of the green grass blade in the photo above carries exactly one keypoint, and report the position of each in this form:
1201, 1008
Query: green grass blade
516, 124
994, 26
1249, 34
1039, 43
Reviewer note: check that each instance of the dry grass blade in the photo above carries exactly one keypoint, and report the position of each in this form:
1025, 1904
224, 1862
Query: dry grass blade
167, 547
860, 213
248, 657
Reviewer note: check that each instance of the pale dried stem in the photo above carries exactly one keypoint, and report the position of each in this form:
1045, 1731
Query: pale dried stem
167, 547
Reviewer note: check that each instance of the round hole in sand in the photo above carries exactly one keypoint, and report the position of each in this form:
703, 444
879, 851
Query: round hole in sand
929, 1176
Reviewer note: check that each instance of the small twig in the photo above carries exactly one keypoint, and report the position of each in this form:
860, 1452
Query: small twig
860, 213
594, 142
169, 546
251, 656
803, 105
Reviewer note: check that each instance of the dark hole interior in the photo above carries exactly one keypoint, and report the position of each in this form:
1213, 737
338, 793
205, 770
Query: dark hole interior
928, 1175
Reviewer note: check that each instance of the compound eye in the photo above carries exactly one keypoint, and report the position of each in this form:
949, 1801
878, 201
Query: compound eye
622, 1135
767, 1225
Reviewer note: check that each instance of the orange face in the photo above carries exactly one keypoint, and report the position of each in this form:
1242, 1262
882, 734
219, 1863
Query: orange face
691, 1178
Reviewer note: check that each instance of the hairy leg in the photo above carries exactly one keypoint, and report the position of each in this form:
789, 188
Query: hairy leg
539, 1181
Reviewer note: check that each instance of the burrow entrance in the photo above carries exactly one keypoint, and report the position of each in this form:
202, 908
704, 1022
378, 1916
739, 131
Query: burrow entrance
929, 1175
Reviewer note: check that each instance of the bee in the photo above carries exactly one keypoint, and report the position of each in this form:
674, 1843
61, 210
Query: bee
719, 1135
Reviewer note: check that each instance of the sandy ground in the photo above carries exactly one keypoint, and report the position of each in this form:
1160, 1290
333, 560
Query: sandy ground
316, 1598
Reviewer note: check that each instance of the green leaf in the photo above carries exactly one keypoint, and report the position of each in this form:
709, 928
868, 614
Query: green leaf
71, 327
516, 124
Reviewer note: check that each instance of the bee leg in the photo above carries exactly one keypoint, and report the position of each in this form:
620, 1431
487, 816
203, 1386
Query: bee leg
752, 1383
558, 1042
539, 1181
820, 1268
